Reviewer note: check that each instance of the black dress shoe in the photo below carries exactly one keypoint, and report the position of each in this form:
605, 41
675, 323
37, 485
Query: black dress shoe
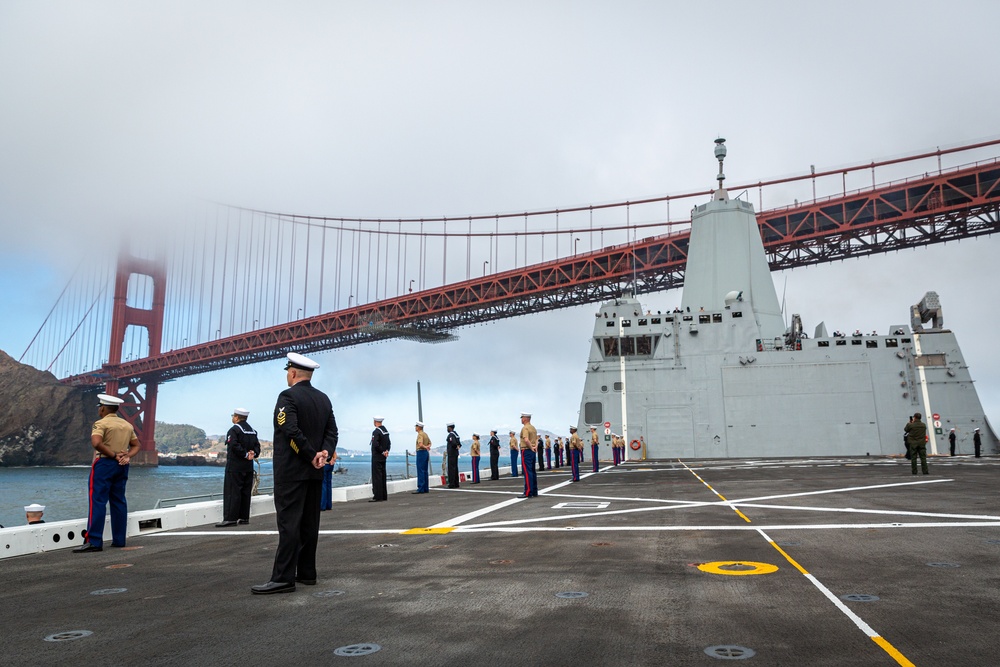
87, 548
243, 522
225, 524
273, 587
306, 582
373, 500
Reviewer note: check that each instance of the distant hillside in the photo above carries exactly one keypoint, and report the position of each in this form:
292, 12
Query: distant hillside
178, 438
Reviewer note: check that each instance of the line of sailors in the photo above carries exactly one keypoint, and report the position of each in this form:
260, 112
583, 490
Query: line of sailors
534, 452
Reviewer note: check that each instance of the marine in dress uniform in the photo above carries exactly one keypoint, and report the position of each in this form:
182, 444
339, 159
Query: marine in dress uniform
595, 443
423, 458
305, 437
453, 443
529, 448
575, 450
494, 455
380, 451
614, 448
476, 455
242, 447
514, 453
114, 444
548, 453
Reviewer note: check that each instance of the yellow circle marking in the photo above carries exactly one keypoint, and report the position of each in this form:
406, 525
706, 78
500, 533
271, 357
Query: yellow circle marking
737, 567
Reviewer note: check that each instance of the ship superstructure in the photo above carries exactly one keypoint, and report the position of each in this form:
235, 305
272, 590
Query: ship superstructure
723, 376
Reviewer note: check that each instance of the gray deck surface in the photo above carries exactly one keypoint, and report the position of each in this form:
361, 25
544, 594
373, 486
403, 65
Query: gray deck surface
485, 593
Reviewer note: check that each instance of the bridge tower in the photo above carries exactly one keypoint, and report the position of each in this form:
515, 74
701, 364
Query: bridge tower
139, 393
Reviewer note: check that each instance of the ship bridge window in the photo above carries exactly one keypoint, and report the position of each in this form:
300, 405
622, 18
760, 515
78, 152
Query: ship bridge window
704, 319
617, 386
610, 347
822, 343
891, 342
906, 340
593, 412
628, 346
609, 323
644, 345
716, 317
737, 313
871, 343
655, 320
841, 341
669, 318
626, 323
643, 322
930, 360
688, 318
855, 341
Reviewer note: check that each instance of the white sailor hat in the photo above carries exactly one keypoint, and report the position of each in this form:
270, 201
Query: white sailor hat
296, 360
475, 435
512, 433
493, 430
593, 428
242, 412
34, 507
452, 424
525, 414
420, 424
378, 419
109, 400
572, 428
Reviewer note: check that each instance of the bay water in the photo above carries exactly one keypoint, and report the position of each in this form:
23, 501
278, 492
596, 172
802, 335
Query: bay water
63, 490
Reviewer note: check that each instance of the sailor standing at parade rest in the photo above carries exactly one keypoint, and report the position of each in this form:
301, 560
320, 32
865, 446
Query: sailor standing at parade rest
494, 455
242, 447
380, 451
305, 437
115, 444
453, 443
529, 448
514, 451
594, 445
423, 459
548, 452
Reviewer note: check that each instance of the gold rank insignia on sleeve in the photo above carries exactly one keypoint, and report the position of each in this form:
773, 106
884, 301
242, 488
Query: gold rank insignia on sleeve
295, 448
281, 417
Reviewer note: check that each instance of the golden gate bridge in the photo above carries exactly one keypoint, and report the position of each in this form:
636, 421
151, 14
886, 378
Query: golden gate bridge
240, 286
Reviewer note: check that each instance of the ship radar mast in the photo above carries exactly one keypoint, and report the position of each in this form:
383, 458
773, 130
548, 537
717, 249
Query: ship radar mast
720, 155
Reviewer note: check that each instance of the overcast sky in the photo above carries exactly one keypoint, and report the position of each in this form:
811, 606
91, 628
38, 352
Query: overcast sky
113, 114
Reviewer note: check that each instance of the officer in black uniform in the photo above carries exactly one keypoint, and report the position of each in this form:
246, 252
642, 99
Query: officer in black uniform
380, 450
977, 443
305, 436
951, 441
494, 455
454, 443
242, 447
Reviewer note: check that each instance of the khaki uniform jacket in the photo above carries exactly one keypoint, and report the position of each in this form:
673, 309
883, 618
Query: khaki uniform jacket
529, 437
575, 442
423, 440
115, 432
475, 448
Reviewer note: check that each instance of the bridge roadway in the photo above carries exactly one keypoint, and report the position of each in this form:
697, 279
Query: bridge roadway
674, 557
